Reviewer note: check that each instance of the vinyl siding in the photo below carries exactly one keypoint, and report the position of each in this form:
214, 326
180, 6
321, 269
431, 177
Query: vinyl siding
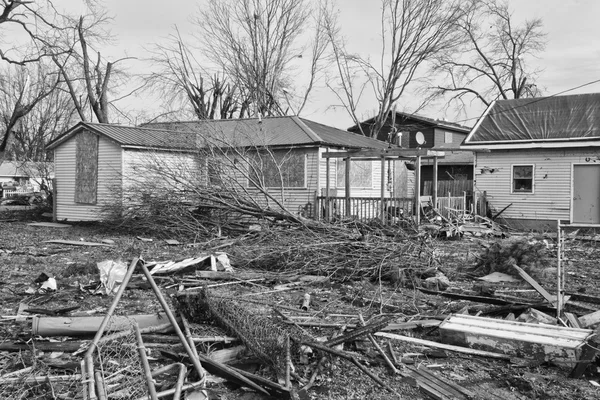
109, 180
551, 197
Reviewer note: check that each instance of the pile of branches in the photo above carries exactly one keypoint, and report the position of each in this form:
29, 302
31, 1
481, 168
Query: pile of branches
338, 251
500, 256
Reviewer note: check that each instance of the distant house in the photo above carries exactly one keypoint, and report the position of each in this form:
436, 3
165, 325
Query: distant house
455, 170
538, 160
94, 162
11, 171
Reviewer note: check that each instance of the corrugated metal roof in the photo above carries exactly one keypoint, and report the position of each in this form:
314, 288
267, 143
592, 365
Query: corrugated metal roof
539, 119
277, 131
272, 131
134, 136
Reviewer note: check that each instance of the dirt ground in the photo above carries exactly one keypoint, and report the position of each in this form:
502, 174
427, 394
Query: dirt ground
25, 254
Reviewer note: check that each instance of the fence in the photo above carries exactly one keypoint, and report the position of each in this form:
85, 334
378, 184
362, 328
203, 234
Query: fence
363, 208
454, 187
15, 192
451, 207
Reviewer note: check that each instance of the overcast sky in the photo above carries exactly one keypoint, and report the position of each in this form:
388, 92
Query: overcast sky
571, 59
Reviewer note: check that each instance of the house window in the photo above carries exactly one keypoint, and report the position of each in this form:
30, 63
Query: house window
361, 174
522, 178
447, 137
279, 168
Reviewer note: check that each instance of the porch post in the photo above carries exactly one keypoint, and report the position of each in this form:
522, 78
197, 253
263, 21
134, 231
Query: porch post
418, 190
434, 185
382, 211
347, 182
327, 171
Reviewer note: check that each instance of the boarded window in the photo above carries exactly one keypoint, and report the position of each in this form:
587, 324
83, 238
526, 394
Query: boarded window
523, 178
86, 169
361, 174
280, 168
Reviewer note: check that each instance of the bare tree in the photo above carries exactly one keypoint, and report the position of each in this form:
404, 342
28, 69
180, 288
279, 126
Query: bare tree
255, 43
22, 90
492, 60
412, 33
89, 78
32, 109
182, 79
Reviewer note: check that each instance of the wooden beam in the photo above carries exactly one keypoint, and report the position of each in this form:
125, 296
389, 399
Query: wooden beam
347, 179
382, 211
387, 153
429, 343
328, 170
418, 190
434, 184
551, 299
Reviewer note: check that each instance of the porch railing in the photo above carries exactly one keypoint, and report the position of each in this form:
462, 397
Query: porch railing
363, 208
369, 208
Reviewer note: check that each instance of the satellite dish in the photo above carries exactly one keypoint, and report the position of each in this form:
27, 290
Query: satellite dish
420, 138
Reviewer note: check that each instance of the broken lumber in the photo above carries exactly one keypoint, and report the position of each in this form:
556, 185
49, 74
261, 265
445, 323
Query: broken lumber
438, 387
216, 368
589, 319
351, 358
78, 326
358, 332
429, 343
551, 299
78, 243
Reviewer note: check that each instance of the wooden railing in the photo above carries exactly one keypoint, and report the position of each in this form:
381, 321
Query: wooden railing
15, 192
363, 208
370, 208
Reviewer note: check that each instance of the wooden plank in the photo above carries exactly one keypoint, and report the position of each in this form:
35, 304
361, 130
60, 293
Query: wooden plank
572, 318
439, 386
589, 319
78, 243
551, 299
429, 343
49, 225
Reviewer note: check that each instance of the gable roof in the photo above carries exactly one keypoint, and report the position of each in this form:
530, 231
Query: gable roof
425, 121
277, 131
273, 131
539, 122
129, 136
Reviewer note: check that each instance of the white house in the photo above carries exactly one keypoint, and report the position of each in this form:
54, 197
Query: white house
538, 160
95, 162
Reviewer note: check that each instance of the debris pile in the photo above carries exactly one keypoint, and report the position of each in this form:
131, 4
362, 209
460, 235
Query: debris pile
285, 312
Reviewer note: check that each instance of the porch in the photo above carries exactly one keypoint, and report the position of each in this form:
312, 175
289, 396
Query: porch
388, 210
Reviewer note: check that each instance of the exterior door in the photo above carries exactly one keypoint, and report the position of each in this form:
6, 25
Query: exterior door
586, 194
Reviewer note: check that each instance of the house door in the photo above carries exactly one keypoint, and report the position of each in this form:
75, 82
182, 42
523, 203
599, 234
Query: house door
586, 194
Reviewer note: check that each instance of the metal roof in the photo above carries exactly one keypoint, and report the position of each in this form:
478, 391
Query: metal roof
277, 131
128, 136
273, 131
542, 119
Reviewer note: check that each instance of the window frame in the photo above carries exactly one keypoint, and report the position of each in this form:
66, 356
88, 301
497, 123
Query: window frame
512, 179
342, 161
287, 152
